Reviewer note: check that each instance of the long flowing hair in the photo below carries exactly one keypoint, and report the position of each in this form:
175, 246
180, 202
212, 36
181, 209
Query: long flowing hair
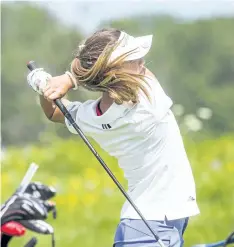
93, 71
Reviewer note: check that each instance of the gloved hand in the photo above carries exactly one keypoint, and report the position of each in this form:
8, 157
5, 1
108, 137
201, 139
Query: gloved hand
25, 207
38, 80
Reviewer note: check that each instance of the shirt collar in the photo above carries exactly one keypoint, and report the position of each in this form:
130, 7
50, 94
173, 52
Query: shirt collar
114, 112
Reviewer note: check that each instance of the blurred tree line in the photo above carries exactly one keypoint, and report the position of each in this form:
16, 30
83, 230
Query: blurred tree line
193, 60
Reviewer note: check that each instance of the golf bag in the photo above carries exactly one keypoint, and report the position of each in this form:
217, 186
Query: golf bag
28, 212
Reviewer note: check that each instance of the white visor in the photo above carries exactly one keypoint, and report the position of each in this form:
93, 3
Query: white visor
127, 43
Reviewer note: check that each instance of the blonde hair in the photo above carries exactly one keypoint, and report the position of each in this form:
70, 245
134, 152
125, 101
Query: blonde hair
93, 71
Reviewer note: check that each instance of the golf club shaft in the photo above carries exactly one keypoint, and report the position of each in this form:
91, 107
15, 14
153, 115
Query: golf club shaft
27, 178
23, 185
31, 65
32, 242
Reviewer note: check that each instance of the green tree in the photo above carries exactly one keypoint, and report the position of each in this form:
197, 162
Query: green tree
29, 33
194, 62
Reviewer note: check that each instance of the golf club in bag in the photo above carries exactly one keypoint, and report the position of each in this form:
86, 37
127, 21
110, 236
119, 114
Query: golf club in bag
28, 210
31, 66
21, 189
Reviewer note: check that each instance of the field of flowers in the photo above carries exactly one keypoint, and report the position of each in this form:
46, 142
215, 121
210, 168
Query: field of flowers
89, 204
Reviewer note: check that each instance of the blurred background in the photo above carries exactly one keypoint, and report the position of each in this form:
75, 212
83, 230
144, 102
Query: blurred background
193, 58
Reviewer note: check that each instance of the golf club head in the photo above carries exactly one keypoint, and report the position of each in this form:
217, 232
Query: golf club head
13, 228
25, 207
40, 191
38, 226
51, 206
44, 193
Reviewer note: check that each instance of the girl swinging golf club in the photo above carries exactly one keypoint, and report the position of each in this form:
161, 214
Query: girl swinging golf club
133, 122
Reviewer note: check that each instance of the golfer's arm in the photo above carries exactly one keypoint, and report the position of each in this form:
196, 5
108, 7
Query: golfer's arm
51, 111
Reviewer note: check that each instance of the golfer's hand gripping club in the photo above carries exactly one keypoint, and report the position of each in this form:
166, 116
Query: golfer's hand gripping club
31, 65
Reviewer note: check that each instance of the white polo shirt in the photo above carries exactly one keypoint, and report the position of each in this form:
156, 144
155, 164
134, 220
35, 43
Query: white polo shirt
146, 140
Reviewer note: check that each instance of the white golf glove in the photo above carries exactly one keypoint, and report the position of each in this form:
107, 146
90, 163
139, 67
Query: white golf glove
38, 80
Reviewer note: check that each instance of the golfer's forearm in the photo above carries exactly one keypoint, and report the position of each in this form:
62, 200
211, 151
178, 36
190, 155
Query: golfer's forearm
51, 111
47, 107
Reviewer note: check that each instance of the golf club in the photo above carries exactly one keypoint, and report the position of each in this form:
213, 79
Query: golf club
44, 193
39, 226
10, 230
29, 212
31, 66
25, 207
13, 228
21, 189
40, 191
32, 242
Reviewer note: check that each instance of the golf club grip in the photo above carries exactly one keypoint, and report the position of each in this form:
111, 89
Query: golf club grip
31, 66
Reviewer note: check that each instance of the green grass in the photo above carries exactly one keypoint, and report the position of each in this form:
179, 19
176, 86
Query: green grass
89, 204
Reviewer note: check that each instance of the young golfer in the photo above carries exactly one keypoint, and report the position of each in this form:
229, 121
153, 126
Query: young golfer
133, 122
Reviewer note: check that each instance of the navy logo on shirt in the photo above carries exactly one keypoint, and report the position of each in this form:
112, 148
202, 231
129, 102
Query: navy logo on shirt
191, 198
106, 126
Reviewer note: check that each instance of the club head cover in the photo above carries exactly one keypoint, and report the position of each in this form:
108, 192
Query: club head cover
37, 190
40, 191
13, 228
25, 207
37, 226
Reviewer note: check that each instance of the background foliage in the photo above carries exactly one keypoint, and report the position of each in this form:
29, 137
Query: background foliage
194, 62
89, 203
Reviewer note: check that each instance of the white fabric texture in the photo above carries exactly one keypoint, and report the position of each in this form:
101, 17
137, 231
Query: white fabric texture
146, 140
138, 46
